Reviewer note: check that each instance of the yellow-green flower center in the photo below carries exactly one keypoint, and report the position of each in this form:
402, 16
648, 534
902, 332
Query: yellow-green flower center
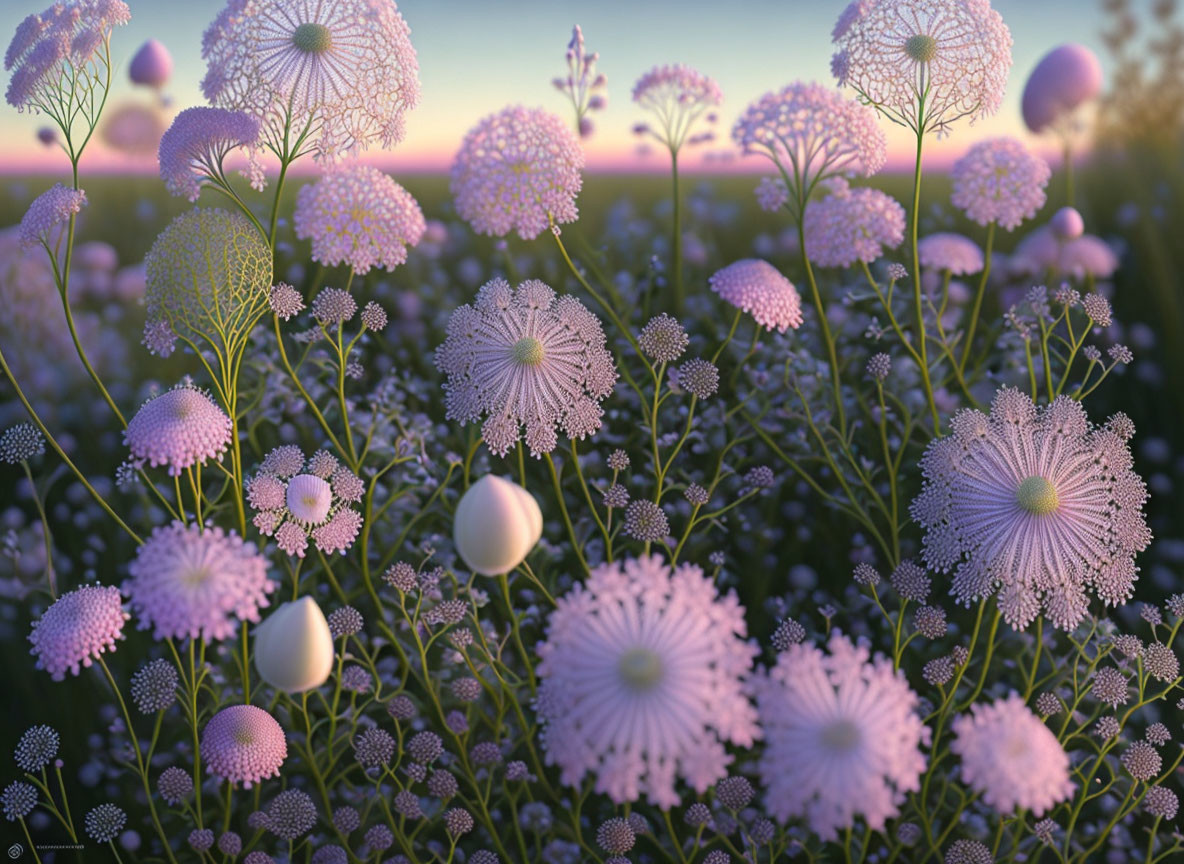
640, 669
527, 351
312, 38
1037, 495
921, 48
841, 736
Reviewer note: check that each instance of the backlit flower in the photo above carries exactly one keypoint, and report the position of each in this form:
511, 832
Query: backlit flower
678, 97
179, 428
756, 287
949, 252
851, 225
999, 180
46, 218
195, 145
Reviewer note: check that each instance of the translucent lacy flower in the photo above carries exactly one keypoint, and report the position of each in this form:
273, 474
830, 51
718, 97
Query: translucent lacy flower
243, 744
1036, 504
851, 225
642, 681
525, 359
199, 139
999, 181
179, 428
187, 582
1011, 757
955, 52
357, 215
678, 97
78, 627
758, 288
295, 501
345, 70
517, 170
45, 220
843, 734
946, 251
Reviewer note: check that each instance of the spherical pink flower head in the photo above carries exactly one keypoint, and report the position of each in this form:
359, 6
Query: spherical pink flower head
953, 53
78, 627
1011, 757
151, 66
192, 150
1036, 504
295, 501
518, 169
1066, 78
812, 132
243, 744
524, 358
843, 734
950, 253
359, 216
999, 181
1087, 255
187, 582
180, 428
345, 70
643, 679
45, 221
678, 97
851, 225
58, 46
758, 288
1067, 224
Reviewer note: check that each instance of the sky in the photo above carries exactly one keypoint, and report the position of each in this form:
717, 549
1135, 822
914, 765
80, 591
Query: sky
477, 56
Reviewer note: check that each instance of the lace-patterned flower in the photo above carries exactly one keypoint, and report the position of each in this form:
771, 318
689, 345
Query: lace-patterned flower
999, 181
45, 220
195, 145
678, 97
851, 225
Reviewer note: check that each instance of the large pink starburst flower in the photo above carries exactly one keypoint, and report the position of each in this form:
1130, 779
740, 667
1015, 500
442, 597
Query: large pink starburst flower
243, 744
189, 582
80, 625
295, 501
924, 63
179, 428
811, 132
851, 225
344, 72
357, 215
1034, 503
45, 221
1011, 757
999, 181
193, 149
678, 97
945, 251
758, 288
843, 734
525, 358
643, 680
517, 170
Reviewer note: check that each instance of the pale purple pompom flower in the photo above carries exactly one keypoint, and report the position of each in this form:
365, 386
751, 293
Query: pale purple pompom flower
159, 338
1000, 181
285, 301
45, 220
151, 66
195, 145
243, 744
851, 225
179, 428
80, 626
758, 288
949, 252
772, 194
678, 97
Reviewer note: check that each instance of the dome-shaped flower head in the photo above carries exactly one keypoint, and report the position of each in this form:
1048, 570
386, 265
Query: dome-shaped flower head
208, 275
525, 358
44, 223
295, 501
851, 225
517, 170
812, 132
924, 63
678, 97
999, 180
77, 628
179, 428
1011, 757
359, 216
1066, 78
951, 253
1034, 503
758, 288
151, 66
843, 734
243, 744
345, 70
192, 150
643, 679
188, 583
61, 43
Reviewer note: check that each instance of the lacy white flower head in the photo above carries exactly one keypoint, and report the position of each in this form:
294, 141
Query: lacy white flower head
678, 97
1035, 504
643, 681
843, 734
199, 140
357, 215
295, 501
999, 180
517, 170
924, 63
526, 360
851, 225
583, 85
336, 78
